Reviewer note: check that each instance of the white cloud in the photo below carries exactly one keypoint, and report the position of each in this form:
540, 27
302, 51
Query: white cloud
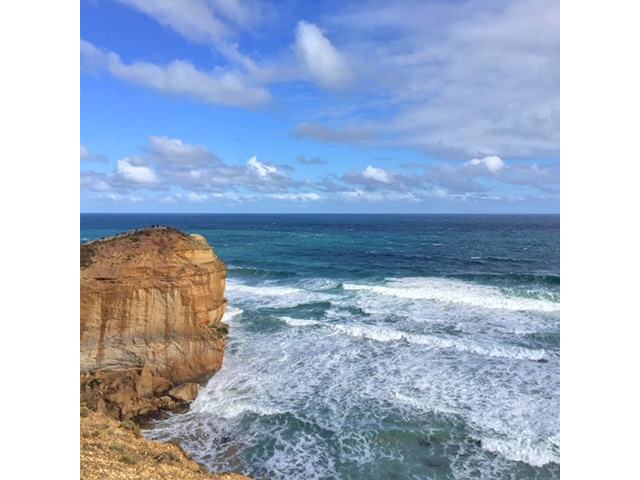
179, 77
325, 63
91, 183
378, 179
173, 147
196, 197
261, 169
178, 154
198, 21
465, 178
369, 196
463, 79
296, 197
243, 13
87, 156
119, 197
171, 162
194, 19
136, 174
493, 164
84, 153
377, 174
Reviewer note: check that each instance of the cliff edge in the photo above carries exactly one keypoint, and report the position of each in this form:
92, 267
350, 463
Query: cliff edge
151, 305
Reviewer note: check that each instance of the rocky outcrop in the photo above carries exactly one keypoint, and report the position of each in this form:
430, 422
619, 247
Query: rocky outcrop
151, 305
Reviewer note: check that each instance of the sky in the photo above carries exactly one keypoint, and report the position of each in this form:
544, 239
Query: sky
232, 106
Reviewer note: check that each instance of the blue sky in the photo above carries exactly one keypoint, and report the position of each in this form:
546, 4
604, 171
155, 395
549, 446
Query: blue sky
290, 106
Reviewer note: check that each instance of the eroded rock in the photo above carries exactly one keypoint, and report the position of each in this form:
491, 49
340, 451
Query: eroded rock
152, 302
186, 392
153, 296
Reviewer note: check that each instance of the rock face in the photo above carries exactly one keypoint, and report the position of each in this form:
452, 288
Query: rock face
151, 304
152, 296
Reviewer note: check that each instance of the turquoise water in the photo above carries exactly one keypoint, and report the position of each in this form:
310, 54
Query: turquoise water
378, 346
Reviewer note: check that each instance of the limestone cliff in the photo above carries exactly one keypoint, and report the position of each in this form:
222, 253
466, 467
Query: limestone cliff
151, 304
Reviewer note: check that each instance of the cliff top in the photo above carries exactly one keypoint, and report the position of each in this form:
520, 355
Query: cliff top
152, 247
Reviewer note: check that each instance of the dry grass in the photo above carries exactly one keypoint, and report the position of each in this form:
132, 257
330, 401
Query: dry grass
110, 450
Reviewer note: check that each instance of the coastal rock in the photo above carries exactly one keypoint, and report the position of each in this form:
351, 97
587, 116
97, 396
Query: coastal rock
151, 305
153, 299
186, 392
144, 385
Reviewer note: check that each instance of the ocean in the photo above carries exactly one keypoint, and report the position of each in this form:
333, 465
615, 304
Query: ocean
378, 346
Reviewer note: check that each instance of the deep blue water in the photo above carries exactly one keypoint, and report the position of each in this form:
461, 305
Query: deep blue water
378, 346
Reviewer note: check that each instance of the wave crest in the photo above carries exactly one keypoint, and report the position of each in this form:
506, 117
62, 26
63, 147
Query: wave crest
454, 291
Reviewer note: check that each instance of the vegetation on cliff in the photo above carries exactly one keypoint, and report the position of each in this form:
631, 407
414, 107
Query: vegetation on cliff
110, 449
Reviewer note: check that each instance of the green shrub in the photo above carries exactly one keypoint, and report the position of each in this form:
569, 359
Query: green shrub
126, 455
219, 332
128, 425
129, 458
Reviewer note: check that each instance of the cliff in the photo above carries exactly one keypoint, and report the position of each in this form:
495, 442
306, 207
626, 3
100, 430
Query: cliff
151, 304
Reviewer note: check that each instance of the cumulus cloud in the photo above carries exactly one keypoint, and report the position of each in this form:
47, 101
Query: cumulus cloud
261, 169
326, 65
179, 154
378, 179
470, 179
131, 172
94, 182
219, 87
377, 174
466, 177
493, 164
171, 162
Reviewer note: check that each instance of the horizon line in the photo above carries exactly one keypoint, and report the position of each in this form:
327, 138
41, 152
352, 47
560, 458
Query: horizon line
311, 213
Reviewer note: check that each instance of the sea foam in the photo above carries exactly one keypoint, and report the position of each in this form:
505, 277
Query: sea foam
455, 292
382, 334
523, 450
